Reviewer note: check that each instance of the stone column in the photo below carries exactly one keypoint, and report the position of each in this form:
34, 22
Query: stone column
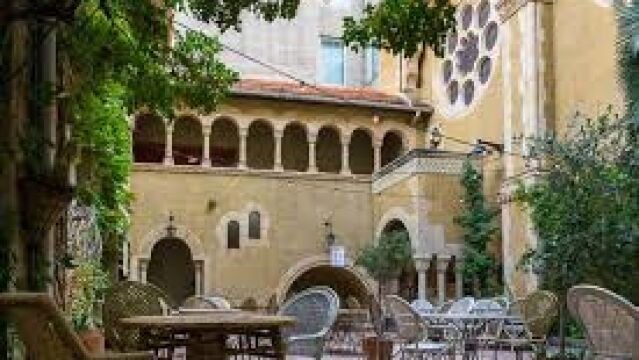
143, 265
312, 139
206, 155
346, 169
168, 149
278, 149
377, 155
198, 277
243, 136
459, 280
442, 266
422, 264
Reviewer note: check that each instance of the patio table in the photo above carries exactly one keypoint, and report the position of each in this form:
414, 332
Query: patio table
206, 334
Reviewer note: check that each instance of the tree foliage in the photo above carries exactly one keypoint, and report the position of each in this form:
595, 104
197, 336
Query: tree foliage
402, 27
478, 223
585, 206
385, 259
115, 58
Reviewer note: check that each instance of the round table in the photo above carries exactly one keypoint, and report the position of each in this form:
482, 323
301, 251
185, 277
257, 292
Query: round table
206, 334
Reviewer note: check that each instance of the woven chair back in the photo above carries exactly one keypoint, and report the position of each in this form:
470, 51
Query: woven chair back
42, 327
539, 311
127, 299
315, 310
408, 322
611, 322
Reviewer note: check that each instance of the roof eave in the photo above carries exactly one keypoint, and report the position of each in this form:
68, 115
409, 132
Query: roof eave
424, 109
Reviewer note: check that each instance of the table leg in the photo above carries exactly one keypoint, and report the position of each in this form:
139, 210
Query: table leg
206, 346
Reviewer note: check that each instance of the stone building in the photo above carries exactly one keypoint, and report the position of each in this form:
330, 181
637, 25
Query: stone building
244, 202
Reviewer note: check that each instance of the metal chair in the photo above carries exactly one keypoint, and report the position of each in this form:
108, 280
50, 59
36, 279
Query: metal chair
611, 322
206, 302
45, 332
412, 331
488, 332
423, 306
127, 299
462, 306
315, 310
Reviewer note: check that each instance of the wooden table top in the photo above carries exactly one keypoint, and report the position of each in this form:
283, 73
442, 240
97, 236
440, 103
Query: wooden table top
221, 320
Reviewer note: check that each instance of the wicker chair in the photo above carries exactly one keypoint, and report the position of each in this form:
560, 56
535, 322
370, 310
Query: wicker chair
611, 322
45, 332
126, 299
538, 311
315, 310
412, 331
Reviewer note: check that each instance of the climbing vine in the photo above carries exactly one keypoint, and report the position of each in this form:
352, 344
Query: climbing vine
479, 228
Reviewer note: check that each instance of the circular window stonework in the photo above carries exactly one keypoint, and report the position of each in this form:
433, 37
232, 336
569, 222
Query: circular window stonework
469, 60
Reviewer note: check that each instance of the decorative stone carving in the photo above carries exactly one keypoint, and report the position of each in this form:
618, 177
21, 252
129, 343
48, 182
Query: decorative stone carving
508, 8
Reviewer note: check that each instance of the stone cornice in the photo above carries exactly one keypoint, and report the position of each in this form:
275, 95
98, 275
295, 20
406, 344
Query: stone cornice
508, 8
270, 174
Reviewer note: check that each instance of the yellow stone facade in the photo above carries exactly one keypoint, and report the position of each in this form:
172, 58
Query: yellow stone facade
550, 59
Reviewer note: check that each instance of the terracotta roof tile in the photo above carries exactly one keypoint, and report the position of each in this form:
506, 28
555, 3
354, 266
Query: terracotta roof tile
335, 92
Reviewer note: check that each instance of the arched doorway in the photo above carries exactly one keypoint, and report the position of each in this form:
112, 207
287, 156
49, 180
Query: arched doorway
171, 268
149, 137
295, 148
361, 152
407, 282
392, 147
260, 146
329, 150
350, 288
225, 143
187, 141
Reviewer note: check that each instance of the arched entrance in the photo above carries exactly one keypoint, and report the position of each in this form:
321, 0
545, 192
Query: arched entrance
350, 281
172, 268
351, 290
407, 282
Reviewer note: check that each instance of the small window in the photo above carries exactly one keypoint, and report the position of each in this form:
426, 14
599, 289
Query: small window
233, 235
255, 225
372, 66
332, 61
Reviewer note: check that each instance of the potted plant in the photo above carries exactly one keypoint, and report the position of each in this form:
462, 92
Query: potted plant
88, 286
384, 261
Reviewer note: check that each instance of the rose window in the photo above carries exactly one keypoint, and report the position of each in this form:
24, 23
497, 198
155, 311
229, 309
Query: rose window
469, 58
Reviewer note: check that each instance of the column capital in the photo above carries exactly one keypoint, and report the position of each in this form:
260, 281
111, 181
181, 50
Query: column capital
278, 133
442, 263
312, 137
206, 130
243, 131
422, 263
377, 142
346, 140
